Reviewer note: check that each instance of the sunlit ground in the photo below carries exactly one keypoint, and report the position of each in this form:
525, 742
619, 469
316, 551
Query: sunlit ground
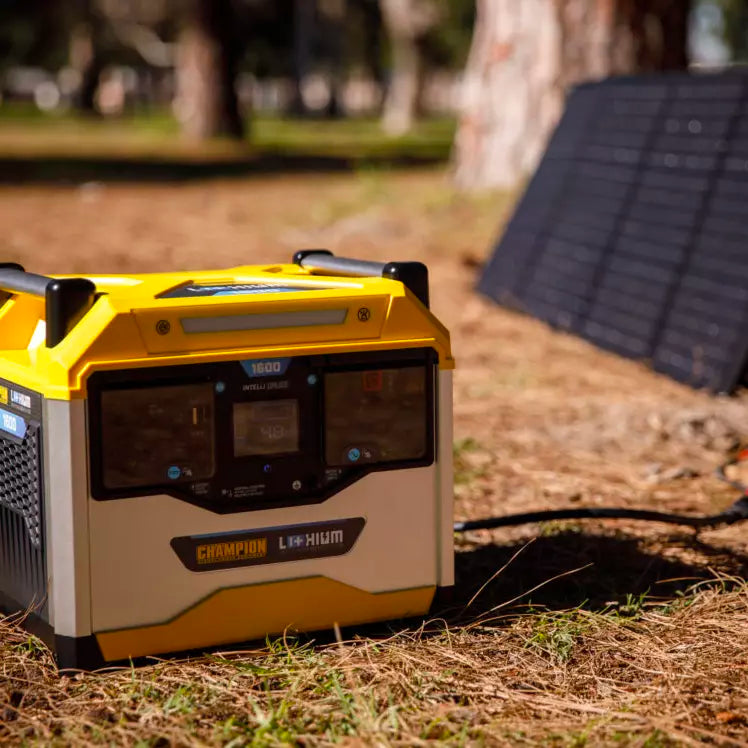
599, 633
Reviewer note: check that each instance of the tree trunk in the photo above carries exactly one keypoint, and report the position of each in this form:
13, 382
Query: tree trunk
85, 59
524, 57
303, 32
406, 22
335, 13
207, 105
85, 55
402, 93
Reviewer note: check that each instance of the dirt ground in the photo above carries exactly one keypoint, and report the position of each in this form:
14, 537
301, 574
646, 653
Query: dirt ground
638, 638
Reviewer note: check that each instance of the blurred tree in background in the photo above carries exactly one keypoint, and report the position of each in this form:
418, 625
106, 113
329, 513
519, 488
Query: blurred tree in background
526, 55
304, 57
212, 62
30, 33
735, 27
206, 66
407, 23
421, 33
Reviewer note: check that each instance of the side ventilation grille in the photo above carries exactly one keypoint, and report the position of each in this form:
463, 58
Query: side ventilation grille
20, 483
23, 576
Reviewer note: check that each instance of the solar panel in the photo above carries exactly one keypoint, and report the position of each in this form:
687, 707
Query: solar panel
633, 232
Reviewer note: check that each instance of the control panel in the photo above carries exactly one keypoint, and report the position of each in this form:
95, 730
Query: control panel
249, 434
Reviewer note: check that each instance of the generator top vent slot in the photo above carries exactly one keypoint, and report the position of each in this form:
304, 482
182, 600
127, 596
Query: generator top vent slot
268, 321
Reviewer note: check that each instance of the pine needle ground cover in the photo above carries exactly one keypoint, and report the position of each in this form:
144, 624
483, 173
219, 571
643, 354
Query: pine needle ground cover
561, 634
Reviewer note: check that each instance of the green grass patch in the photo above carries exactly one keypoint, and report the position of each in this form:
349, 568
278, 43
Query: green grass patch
555, 635
24, 129
465, 469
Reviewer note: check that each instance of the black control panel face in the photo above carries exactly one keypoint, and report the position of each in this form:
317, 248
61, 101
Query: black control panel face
142, 429
266, 427
376, 415
239, 435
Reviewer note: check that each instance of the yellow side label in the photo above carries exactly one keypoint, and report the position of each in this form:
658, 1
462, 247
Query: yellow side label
3, 395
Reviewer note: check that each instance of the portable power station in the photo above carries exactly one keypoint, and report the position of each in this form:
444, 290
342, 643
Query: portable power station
200, 458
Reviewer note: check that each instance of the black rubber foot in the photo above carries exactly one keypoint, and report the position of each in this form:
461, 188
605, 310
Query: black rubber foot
78, 653
443, 599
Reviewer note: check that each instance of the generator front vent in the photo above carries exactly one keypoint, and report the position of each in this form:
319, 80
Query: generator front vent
20, 481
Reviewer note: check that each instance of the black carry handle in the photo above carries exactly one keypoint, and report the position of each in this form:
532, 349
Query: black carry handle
66, 299
413, 275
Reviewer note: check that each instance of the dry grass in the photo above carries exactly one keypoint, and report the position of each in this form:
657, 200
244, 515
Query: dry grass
652, 675
609, 633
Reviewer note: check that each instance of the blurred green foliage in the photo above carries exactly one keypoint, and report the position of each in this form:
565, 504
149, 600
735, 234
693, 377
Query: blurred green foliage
37, 32
26, 130
447, 45
735, 28
34, 32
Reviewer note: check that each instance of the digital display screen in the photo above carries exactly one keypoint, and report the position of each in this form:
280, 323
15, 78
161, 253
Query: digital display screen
157, 435
377, 415
266, 427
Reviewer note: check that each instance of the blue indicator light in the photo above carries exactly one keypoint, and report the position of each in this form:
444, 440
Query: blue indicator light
220, 387
312, 379
354, 454
267, 468
174, 472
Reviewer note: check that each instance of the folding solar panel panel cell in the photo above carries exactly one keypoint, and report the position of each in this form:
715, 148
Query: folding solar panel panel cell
633, 231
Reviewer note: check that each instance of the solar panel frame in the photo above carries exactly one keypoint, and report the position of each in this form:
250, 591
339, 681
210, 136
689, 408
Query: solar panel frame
632, 234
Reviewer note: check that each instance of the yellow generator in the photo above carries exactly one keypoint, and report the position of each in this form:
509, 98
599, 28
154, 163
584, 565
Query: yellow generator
194, 459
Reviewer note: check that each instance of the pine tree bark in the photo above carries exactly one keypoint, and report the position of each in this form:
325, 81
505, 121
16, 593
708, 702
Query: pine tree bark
525, 56
207, 105
85, 58
406, 22
335, 13
303, 32
85, 54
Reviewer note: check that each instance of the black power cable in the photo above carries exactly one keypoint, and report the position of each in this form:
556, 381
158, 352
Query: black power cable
737, 512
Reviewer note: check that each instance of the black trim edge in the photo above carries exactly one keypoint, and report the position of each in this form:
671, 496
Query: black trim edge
67, 300
28, 620
78, 653
299, 256
444, 598
413, 275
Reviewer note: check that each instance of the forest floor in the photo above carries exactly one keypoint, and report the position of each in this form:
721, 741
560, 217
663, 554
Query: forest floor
563, 633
